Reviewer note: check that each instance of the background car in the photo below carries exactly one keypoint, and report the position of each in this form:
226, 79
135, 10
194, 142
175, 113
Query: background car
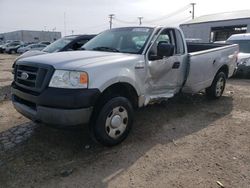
13, 48
45, 42
9, 45
67, 43
3, 46
31, 47
243, 64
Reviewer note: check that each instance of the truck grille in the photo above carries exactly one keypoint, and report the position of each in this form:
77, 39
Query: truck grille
32, 77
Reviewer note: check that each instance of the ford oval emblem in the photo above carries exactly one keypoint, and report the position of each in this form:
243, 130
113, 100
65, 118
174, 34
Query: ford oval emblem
24, 76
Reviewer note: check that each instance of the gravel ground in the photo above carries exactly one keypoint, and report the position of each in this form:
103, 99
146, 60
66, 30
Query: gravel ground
8, 116
188, 142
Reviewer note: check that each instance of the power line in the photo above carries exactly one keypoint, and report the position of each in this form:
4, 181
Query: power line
169, 15
183, 21
125, 22
96, 26
162, 18
179, 21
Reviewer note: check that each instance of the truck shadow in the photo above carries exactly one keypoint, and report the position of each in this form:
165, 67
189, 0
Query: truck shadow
50, 154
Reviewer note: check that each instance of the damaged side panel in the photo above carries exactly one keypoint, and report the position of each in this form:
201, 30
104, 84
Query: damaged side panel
165, 76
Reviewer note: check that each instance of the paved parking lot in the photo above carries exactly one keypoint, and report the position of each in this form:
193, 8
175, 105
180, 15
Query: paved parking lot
188, 142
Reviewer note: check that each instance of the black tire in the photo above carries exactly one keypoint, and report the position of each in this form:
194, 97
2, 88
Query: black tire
107, 113
215, 91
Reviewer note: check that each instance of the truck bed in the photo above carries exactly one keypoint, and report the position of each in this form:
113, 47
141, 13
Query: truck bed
205, 59
196, 47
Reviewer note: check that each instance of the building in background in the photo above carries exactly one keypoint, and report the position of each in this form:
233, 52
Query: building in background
217, 27
31, 36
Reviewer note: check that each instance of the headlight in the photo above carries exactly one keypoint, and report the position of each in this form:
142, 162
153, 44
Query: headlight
69, 79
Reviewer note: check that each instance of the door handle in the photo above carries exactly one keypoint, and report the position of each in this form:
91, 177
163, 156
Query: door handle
139, 66
176, 65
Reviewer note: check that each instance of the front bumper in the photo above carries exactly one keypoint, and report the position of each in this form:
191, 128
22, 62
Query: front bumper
54, 106
55, 116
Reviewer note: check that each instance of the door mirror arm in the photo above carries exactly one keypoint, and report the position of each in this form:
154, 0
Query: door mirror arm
153, 57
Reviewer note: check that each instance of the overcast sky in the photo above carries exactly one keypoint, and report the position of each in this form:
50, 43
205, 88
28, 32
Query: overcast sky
91, 16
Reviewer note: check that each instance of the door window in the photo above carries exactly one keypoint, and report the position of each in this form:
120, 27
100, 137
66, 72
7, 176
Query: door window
166, 36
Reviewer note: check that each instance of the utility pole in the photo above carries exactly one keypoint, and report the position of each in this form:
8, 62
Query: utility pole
111, 16
140, 20
193, 4
65, 29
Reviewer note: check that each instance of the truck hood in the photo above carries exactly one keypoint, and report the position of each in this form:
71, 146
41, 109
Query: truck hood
30, 54
75, 59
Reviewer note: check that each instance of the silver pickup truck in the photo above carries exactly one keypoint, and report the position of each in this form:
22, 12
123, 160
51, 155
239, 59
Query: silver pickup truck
118, 71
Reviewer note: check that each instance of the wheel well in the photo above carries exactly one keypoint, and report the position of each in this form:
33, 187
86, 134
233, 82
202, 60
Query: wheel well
122, 89
224, 69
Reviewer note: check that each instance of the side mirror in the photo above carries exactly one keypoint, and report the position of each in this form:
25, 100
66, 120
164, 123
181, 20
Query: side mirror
165, 49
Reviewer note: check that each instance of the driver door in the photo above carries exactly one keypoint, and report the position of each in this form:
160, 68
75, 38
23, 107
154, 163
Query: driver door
165, 73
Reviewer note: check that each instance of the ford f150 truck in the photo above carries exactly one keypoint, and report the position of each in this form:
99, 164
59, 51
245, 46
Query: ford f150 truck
119, 70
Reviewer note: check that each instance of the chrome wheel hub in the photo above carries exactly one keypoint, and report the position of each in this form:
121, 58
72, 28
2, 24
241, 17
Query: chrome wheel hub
116, 122
220, 87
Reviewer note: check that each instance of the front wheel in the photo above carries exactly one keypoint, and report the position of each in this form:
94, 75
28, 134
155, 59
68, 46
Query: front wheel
216, 90
114, 121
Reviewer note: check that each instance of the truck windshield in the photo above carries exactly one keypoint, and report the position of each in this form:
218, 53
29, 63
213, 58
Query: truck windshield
243, 44
58, 44
124, 40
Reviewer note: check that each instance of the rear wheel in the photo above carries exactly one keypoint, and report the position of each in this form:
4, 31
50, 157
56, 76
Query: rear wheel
216, 90
113, 121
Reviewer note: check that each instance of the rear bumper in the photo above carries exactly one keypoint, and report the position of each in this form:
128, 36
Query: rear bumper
59, 107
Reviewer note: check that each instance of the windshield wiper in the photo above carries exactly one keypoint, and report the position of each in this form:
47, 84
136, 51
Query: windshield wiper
104, 48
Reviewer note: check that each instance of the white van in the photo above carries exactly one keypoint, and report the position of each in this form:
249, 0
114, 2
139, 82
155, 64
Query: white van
243, 40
